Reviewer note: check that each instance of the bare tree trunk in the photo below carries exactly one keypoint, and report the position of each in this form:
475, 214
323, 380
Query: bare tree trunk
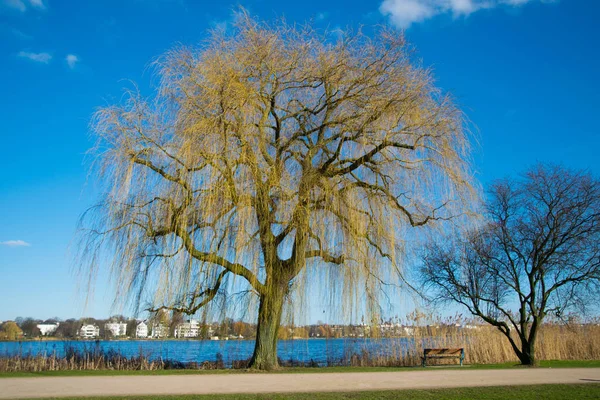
526, 350
527, 354
269, 320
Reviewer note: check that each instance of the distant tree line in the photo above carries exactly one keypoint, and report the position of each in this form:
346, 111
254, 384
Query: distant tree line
27, 328
69, 328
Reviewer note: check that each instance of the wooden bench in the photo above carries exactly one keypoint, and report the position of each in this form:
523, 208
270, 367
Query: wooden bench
443, 353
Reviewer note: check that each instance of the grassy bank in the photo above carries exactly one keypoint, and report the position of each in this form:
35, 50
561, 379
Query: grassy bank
543, 364
547, 392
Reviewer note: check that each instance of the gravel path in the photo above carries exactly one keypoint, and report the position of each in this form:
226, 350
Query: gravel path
14, 388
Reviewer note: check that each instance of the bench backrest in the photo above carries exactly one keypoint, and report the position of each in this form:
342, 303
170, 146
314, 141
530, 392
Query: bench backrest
443, 352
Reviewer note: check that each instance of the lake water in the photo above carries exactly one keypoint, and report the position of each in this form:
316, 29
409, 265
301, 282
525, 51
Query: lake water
318, 350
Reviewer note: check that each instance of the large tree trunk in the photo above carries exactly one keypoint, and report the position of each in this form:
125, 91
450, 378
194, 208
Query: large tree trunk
528, 336
269, 319
525, 350
527, 354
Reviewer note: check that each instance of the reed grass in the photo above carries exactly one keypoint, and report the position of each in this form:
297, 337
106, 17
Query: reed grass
483, 345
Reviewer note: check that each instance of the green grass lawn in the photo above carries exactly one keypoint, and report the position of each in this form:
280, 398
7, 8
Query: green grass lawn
543, 364
546, 392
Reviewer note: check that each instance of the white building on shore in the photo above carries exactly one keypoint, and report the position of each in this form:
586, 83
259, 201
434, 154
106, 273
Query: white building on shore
89, 331
48, 329
141, 330
159, 331
189, 329
116, 328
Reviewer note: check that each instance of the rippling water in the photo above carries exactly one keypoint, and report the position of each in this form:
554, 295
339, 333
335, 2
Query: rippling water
318, 350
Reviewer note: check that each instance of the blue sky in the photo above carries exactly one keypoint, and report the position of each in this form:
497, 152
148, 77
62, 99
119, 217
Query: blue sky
524, 71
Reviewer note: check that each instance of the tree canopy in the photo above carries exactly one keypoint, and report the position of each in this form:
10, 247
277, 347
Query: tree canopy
274, 157
9, 330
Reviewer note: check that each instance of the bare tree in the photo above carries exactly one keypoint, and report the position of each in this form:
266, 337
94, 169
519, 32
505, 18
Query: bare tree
538, 254
68, 328
29, 327
270, 157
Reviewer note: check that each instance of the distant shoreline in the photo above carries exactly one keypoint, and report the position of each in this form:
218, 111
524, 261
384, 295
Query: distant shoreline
56, 339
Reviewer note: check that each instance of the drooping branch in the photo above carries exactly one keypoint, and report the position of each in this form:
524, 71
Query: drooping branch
325, 256
189, 304
412, 219
365, 158
235, 268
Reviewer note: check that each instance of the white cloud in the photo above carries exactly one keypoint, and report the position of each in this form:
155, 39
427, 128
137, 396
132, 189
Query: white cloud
37, 57
72, 59
465, 7
39, 4
404, 13
23, 5
15, 243
15, 4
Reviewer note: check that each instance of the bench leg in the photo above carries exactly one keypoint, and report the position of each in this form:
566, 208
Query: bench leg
423, 363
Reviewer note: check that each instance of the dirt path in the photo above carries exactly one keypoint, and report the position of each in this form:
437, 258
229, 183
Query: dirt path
13, 388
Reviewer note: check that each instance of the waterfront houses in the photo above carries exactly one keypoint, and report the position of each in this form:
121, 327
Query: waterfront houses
189, 329
47, 329
159, 331
89, 331
141, 330
116, 329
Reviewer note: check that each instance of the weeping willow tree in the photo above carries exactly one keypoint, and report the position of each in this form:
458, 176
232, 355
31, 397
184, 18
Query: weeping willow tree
269, 157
